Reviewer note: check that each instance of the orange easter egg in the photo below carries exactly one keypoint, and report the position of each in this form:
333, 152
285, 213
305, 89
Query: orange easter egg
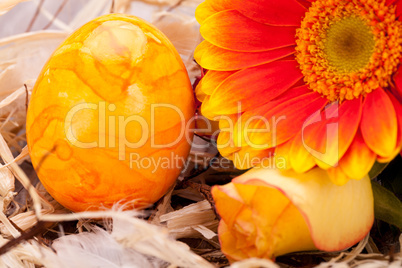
110, 116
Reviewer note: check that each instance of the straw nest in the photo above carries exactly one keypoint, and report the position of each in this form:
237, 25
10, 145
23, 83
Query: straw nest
179, 230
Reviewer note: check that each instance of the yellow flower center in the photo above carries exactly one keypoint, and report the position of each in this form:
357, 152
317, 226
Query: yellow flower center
349, 45
348, 48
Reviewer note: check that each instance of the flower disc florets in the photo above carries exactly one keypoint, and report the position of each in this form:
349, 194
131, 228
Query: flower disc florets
349, 48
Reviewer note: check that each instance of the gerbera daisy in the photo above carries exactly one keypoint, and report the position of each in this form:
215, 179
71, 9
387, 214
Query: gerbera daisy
311, 82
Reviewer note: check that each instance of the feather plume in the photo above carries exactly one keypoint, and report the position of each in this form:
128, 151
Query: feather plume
6, 5
96, 249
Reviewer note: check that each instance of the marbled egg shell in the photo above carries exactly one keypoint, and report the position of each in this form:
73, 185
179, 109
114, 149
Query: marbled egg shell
110, 116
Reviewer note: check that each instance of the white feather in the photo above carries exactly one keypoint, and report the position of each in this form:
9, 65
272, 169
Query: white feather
6, 5
96, 249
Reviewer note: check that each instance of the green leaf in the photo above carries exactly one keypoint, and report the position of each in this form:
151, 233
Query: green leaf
377, 169
387, 207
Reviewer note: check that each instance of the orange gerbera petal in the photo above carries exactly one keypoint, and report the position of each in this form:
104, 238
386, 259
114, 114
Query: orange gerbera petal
280, 120
210, 7
269, 81
282, 153
231, 30
284, 12
245, 158
379, 125
398, 147
214, 58
337, 176
204, 108
358, 159
227, 150
329, 137
299, 158
255, 39
398, 110
211, 80
200, 95
292, 93
225, 139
